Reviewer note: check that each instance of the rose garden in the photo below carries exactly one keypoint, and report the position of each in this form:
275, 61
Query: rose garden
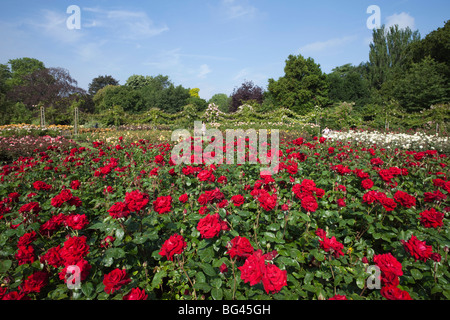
131, 224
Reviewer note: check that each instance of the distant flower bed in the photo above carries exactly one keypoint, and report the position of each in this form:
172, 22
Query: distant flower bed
417, 141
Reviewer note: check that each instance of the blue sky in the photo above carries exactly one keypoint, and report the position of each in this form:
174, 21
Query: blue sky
213, 45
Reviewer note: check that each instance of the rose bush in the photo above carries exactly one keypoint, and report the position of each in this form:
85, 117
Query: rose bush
138, 226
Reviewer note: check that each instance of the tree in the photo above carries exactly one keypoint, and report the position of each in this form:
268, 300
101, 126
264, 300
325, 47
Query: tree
100, 82
302, 87
347, 83
194, 92
139, 81
422, 86
389, 55
246, 92
22, 67
222, 101
125, 97
436, 45
49, 86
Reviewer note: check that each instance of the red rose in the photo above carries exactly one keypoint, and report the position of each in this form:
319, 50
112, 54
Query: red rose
376, 162
434, 196
240, 247
273, 278
321, 233
267, 201
252, 270
418, 249
388, 203
309, 203
115, 280
163, 204
52, 257
75, 184
341, 203
25, 255
26, 239
205, 175
394, 293
14, 295
405, 199
183, 198
174, 245
74, 249
30, 207
211, 225
370, 197
237, 200
432, 218
136, 200
105, 243
77, 221
40, 185
332, 245
367, 184
35, 282
390, 268
119, 210
84, 267
135, 294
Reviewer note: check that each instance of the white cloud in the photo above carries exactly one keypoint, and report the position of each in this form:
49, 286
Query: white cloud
235, 9
403, 20
204, 70
125, 24
241, 75
321, 46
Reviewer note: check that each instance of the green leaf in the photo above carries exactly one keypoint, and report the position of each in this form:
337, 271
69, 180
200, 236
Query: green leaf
208, 269
5, 265
157, 278
217, 293
416, 274
87, 288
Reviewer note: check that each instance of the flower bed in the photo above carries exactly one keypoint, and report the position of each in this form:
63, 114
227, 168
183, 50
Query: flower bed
120, 221
416, 141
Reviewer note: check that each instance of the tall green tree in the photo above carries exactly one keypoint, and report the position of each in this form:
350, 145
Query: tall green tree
303, 86
389, 55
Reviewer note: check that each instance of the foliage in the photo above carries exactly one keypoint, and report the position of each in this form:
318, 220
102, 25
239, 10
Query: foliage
302, 87
312, 230
100, 82
346, 83
436, 45
389, 54
248, 91
421, 86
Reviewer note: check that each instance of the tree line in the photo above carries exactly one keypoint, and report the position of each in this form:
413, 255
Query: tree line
404, 70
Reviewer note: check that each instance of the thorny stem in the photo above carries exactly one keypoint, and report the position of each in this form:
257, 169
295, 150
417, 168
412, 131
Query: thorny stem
181, 264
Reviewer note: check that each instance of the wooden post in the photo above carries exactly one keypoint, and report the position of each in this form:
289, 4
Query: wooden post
42, 117
75, 125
